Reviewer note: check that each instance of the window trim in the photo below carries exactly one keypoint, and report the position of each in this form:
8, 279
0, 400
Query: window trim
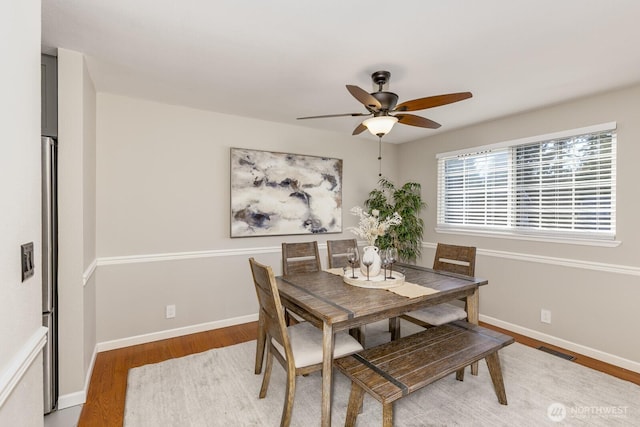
554, 135
523, 234
529, 237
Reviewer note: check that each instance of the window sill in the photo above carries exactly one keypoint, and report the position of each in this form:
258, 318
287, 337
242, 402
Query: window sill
534, 238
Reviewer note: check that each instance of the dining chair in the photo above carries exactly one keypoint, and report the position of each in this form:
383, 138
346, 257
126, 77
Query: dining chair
337, 252
453, 259
302, 257
298, 348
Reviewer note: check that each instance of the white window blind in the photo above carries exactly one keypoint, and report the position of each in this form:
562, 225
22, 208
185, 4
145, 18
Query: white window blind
555, 185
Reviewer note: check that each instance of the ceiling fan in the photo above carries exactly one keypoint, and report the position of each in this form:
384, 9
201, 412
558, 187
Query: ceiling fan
381, 104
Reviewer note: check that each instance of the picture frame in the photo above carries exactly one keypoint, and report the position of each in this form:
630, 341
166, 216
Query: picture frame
274, 193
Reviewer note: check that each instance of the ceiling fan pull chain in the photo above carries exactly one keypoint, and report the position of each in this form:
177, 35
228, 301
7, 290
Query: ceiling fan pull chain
379, 155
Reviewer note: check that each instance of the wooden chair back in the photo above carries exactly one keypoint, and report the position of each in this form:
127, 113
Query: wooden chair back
337, 251
271, 309
455, 259
301, 257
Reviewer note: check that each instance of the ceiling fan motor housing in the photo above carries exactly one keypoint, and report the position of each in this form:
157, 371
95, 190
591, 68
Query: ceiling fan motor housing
387, 99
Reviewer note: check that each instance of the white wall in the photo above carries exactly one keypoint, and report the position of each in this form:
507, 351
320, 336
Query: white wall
76, 224
592, 292
21, 335
88, 217
163, 211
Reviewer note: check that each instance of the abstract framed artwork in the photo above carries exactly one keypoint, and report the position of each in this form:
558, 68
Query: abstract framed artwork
284, 194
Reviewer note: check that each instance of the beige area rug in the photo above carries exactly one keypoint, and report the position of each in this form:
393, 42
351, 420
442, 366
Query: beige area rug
218, 388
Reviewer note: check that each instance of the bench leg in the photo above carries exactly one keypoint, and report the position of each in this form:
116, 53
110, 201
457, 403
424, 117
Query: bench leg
460, 374
493, 363
387, 414
355, 403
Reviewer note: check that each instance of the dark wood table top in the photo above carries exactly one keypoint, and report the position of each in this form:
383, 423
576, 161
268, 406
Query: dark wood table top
322, 297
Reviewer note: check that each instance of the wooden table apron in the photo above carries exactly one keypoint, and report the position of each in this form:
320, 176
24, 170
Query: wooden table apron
330, 304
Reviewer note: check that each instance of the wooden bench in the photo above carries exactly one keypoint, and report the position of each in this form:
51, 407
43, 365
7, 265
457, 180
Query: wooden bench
398, 368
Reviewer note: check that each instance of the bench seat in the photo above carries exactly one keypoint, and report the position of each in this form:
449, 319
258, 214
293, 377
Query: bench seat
398, 368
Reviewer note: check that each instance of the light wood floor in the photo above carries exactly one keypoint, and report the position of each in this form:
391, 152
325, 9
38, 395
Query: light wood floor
106, 395
105, 398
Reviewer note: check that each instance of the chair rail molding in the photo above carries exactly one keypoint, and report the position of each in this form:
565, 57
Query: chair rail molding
564, 262
177, 256
21, 362
86, 276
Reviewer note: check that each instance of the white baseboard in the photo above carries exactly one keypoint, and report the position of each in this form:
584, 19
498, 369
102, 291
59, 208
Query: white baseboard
172, 333
72, 399
80, 397
578, 348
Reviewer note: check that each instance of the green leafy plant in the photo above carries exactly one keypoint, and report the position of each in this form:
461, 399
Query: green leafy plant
406, 201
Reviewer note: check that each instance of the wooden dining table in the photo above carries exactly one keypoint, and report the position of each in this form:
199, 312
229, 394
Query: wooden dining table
325, 300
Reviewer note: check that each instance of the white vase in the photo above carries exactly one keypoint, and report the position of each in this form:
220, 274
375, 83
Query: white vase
370, 253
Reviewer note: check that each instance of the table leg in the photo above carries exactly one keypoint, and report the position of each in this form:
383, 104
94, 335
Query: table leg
327, 373
358, 333
394, 328
260, 345
473, 310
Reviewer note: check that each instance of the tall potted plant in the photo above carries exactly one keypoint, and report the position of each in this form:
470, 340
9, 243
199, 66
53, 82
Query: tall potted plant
406, 201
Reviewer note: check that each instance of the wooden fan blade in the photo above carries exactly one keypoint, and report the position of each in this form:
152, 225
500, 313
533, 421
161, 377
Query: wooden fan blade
432, 101
413, 120
334, 115
364, 97
359, 129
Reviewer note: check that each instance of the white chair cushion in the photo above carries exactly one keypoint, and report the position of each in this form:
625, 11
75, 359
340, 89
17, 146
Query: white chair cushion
306, 344
439, 314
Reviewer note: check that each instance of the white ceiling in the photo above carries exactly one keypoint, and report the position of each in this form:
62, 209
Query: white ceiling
281, 59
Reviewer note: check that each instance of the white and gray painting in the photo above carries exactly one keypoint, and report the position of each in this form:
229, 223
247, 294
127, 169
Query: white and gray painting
280, 193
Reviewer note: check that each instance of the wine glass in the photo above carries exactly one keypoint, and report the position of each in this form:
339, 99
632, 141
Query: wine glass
392, 257
367, 262
352, 259
384, 262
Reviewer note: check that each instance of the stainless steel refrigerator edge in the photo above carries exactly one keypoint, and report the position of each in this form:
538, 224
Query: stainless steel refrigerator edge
49, 271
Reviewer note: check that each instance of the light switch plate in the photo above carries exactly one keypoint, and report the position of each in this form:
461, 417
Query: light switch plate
26, 256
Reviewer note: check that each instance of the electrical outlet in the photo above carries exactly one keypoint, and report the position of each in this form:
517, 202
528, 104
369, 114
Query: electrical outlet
170, 311
545, 315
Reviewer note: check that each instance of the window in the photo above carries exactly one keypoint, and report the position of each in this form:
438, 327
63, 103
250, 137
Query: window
560, 185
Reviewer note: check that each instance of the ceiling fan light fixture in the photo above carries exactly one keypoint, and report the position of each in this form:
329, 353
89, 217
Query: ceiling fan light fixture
380, 125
